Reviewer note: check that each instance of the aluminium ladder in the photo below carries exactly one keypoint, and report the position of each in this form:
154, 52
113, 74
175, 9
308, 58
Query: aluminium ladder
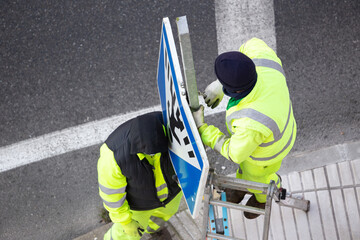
222, 182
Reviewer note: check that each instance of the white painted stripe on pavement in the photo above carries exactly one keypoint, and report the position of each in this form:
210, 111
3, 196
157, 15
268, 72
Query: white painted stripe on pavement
70, 139
238, 21
66, 140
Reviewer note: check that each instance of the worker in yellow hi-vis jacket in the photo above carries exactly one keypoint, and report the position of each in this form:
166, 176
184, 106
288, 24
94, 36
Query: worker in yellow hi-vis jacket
259, 116
136, 178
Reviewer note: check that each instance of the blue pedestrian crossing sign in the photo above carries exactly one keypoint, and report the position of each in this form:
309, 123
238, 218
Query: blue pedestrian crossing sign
186, 150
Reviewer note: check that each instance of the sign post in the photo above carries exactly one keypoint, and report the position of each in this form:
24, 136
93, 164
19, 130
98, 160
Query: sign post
188, 62
186, 150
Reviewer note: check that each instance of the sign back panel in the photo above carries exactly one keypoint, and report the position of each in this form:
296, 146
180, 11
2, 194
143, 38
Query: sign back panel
186, 150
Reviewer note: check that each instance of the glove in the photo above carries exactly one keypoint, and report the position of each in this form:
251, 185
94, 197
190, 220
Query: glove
213, 94
133, 229
199, 116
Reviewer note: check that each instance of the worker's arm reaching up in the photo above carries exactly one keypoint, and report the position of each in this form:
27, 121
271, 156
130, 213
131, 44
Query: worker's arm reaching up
236, 148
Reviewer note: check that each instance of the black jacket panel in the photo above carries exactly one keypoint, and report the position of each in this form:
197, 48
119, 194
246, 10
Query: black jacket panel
143, 134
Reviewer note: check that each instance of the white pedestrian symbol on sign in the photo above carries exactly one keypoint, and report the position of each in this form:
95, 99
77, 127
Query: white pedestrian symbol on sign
176, 129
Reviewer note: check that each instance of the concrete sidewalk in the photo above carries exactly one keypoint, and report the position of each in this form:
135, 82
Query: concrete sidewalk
327, 177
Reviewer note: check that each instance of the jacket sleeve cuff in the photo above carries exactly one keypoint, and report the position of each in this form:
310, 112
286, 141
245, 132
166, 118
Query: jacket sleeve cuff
126, 222
123, 218
202, 128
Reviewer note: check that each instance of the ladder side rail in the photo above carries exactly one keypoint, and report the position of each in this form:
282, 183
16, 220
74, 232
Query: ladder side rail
212, 219
206, 211
269, 198
206, 201
225, 216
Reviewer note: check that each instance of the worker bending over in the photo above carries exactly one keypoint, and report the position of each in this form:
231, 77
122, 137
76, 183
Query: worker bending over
136, 178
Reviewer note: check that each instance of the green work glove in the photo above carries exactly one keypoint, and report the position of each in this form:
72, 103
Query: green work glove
133, 229
199, 116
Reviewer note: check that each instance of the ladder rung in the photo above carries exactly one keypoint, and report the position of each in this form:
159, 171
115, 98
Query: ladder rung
221, 237
239, 184
238, 207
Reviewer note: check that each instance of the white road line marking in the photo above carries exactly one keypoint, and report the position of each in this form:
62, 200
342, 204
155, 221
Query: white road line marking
238, 21
66, 140
70, 139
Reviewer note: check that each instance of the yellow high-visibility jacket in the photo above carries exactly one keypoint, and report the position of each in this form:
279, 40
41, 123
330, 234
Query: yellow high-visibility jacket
262, 126
128, 178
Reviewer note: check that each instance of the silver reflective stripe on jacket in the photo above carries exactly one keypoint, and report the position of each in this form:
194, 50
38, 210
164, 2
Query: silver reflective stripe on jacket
255, 115
163, 186
278, 137
115, 204
261, 118
220, 141
263, 62
282, 150
110, 191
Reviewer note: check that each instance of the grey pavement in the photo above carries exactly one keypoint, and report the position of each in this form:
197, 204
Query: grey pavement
312, 41
67, 63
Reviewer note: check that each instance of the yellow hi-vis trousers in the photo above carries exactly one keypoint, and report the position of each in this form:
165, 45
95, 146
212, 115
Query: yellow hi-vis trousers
151, 220
259, 174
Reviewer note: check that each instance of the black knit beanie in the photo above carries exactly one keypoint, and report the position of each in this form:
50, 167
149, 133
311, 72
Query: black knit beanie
235, 71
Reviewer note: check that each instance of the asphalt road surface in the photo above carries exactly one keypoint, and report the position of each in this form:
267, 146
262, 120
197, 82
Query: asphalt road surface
67, 63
